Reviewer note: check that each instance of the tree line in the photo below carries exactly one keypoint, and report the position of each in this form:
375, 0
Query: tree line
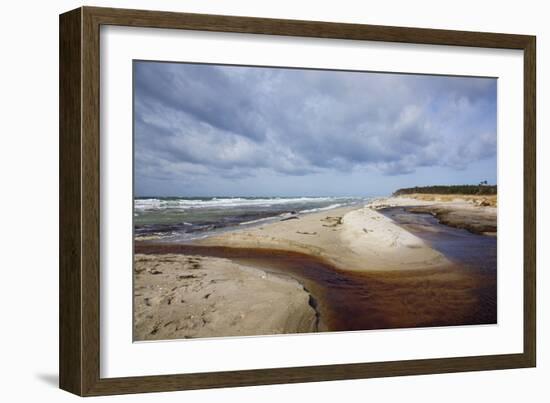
481, 189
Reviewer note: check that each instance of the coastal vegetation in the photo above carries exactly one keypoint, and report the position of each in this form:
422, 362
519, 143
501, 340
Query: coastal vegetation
481, 189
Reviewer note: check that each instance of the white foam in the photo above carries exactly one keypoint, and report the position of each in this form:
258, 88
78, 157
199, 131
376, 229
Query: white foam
153, 203
314, 210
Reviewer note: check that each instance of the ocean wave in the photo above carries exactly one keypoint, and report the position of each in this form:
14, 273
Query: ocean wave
182, 204
314, 210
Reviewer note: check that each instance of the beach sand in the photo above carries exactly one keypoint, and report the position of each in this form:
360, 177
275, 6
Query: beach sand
177, 296
351, 238
348, 268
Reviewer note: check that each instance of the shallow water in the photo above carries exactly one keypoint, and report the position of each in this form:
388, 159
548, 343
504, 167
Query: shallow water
470, 250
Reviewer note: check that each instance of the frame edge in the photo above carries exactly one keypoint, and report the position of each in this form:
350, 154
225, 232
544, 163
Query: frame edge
530, 202
79, 201
70, 278
304, 28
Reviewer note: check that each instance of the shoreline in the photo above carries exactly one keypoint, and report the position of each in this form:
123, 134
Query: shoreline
476, 214
357, 268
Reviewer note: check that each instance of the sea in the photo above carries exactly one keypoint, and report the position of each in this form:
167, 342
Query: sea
188, 218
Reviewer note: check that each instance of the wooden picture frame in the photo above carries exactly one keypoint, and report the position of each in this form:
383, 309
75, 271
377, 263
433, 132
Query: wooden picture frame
79, 346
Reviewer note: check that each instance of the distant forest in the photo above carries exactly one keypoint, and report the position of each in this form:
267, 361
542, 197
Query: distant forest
481, 189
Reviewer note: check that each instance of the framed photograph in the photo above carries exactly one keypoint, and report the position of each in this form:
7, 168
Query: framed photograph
248, 201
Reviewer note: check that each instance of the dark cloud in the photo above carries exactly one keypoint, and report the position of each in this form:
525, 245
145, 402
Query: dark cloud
195, 121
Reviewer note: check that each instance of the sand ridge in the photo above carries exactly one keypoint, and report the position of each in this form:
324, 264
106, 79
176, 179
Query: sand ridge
356, 238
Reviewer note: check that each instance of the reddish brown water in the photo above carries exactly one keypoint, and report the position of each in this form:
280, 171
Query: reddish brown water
376, 300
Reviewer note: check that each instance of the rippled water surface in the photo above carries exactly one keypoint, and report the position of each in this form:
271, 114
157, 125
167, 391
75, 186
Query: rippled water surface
458, 245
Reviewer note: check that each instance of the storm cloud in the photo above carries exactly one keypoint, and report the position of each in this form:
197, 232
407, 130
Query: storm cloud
195, 123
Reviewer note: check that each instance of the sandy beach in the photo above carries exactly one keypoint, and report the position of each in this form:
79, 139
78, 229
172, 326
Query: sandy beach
346, 268
178, 296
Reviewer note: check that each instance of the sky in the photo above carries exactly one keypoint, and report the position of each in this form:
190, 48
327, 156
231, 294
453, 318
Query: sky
215, 130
